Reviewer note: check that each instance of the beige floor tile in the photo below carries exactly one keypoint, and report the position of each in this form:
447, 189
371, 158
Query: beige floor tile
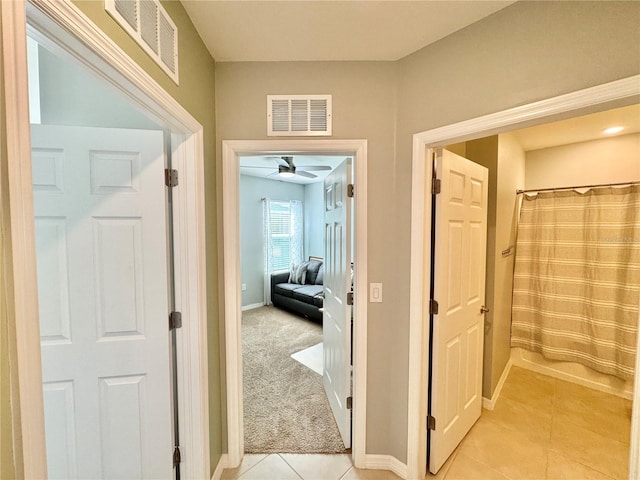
319, 467
515, 415
592, 409
589, 448
467, 468
271, 468
358, 474
512, 453
562, 468
530, 388
248, 461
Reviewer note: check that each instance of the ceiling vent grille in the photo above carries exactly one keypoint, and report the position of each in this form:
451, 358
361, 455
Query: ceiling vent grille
298, 115
151, 26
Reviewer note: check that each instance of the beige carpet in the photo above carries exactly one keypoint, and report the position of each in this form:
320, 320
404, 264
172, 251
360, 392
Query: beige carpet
285, 407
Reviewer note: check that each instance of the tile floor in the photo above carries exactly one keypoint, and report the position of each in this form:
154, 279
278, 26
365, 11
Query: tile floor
541, 428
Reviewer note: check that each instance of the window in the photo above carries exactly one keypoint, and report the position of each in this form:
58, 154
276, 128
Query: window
283, 232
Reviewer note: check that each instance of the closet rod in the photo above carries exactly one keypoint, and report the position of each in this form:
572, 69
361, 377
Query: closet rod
602, 185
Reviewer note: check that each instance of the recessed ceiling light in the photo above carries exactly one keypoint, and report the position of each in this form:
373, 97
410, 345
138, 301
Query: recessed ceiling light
612, 130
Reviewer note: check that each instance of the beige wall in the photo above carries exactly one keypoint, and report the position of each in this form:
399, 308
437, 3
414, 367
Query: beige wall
609, 160
511, 174
505, 159
526, 52
484, 151
363, 107
196, 94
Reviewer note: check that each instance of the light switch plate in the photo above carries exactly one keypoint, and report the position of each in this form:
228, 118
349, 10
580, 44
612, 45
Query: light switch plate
375, 292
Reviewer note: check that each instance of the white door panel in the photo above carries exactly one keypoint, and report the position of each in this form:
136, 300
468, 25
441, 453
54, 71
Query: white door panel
459, 288
337, 284
99, 202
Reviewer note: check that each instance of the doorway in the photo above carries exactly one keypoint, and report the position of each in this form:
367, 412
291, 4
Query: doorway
593, 99
232, 151
187, 155
284, 271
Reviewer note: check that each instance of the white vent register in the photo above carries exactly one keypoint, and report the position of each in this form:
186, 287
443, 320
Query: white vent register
298, 115
151, 26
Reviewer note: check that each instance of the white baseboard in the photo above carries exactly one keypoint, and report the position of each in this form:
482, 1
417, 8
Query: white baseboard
386, 462
490, 403
252, 306
222, 464
555, 372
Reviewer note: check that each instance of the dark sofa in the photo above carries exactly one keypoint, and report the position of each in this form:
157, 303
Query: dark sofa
301, 295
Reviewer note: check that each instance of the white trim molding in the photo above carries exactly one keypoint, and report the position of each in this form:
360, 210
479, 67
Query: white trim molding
252, 306
27, 326
63, 24
386, 462
589, 100
490, 403
231, 150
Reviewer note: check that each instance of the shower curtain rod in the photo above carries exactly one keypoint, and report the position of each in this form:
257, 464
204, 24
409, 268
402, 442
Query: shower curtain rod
602, 185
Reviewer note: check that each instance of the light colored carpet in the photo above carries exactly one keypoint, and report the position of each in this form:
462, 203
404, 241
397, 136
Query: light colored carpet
285, 406
311, 357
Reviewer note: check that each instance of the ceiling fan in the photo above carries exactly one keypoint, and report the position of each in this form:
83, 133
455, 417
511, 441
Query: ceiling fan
286, 168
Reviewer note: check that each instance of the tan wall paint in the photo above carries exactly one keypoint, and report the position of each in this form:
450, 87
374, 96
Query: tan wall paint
484, 151
511, 171
609, 160
523, 53
504, 158
363, 107
196, 94
526, 52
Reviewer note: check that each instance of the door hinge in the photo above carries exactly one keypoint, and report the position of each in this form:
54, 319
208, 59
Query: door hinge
349, 403
433, 307
176, 456
431, 422
171, 177
436, 187
175, 320
350, 298
350, 190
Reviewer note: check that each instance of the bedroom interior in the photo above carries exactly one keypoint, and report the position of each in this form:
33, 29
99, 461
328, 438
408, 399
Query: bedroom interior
285, 405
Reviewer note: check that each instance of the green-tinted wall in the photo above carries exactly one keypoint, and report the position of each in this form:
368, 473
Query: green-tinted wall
196, 94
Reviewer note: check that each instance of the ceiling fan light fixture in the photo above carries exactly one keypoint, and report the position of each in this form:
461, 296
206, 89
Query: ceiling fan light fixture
286, 171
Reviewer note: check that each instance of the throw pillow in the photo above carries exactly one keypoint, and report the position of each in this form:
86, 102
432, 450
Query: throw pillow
298, 273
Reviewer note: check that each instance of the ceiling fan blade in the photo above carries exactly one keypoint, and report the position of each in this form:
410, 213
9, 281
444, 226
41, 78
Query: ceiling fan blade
302, 173
316, 167
255, 166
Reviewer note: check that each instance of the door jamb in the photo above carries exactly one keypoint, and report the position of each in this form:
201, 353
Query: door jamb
609, 95
231, 150
69, 27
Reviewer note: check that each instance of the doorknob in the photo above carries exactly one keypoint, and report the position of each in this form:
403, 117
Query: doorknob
483, 309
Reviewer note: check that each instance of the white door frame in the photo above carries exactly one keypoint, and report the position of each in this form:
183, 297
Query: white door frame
231, 151
609, 95
74, 32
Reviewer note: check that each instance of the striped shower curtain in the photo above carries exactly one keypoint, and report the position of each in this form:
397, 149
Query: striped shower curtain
577, 277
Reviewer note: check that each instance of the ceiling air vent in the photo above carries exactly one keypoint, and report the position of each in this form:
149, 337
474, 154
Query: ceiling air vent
151, 26
298, 115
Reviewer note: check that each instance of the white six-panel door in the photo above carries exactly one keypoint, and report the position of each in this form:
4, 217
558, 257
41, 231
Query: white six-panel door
337, 284
101, 250
459, 288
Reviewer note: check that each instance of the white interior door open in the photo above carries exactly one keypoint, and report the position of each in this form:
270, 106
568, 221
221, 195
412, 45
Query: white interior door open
101, 248
459, 287
336, 319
